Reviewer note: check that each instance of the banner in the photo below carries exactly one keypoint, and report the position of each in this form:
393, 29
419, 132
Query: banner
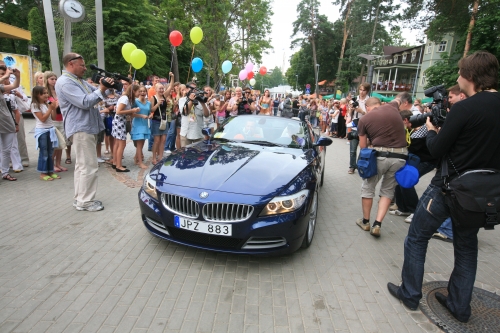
26, 65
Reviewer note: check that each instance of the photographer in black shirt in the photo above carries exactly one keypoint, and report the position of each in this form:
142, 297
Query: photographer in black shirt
470, 139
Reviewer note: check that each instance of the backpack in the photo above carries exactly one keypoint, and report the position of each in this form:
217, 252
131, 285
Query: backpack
367, 163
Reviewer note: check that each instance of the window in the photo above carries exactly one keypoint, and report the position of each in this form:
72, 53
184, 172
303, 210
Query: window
413, 56
423, 80
404, 57
442, 46
429, 48
395, 59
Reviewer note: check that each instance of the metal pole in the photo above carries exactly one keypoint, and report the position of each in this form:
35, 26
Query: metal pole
51, 34
416, 74
317, 72
99, 33
370, 78
68, 39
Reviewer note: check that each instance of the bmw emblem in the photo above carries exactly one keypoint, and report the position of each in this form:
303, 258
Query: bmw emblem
203, 195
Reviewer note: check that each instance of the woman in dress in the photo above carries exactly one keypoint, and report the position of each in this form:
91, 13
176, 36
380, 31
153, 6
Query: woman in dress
313, 107
162, 106
124, 107
140, 129
265, 104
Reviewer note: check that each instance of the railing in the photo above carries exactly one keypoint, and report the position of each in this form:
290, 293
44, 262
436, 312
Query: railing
392, 87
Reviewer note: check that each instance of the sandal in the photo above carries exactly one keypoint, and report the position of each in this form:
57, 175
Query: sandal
46, 178
56, 169
55, 176
62, 169
68, 161
9, 178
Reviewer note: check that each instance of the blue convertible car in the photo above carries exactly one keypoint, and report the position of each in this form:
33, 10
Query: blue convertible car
251, 188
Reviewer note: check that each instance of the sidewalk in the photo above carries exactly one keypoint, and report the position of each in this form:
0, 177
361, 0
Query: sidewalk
67, 271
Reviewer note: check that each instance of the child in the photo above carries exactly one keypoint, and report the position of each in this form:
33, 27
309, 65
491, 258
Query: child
220, 111
45, 134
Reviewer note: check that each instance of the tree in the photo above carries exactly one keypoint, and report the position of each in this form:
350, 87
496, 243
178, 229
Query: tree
444, 71
36, 24
16, 13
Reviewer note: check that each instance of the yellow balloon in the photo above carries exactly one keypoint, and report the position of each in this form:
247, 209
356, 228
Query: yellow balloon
138, 59
127, 50
196, 35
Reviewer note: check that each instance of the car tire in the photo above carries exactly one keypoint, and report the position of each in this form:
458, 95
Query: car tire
311, 225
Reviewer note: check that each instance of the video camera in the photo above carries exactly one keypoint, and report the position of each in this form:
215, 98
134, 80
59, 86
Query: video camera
355, 103
103, 74
199, 95
438, 109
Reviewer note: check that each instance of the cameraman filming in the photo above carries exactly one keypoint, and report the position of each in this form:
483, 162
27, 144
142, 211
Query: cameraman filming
193, 111
469, 139
82, 123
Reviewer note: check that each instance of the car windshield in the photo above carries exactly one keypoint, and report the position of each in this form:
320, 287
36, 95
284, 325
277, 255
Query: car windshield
265, 130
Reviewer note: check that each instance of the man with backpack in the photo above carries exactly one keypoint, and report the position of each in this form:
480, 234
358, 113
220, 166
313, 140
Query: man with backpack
287, 107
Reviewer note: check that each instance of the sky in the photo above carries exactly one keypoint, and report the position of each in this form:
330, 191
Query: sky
285, 12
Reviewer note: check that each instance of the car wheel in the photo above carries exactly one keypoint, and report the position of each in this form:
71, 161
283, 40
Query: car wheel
311, 226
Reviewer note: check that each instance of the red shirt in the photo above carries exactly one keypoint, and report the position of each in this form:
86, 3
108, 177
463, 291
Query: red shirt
343, 108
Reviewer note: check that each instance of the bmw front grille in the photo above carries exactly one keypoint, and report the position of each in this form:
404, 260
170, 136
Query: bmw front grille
226, 212
180, 205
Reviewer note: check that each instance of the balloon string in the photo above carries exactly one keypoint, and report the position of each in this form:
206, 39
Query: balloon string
172, 60
133, 79
189, 70
217, 86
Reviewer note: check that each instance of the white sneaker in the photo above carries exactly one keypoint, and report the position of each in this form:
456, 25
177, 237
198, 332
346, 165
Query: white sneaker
409, 218
100, 160
167, 152
398, 213
347, 143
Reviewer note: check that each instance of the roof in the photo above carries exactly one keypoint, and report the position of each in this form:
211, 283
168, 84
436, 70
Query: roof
10, 31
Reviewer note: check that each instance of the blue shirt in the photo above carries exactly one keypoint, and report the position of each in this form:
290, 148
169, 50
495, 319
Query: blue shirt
78, 102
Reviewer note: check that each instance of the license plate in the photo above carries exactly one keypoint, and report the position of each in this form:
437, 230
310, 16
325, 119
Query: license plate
203, 227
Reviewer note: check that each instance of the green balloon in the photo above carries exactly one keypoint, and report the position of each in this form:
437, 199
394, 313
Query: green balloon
127, 50
138, 59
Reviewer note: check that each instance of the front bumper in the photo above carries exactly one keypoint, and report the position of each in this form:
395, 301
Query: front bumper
271, 235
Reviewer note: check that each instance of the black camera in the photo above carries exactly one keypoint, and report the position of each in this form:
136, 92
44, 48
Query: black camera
355, 103
439, 108
103, 74
199, 95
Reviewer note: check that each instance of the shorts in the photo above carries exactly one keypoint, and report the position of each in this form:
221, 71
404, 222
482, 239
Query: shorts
333, 127
386, 168
155, 128
220, 120
100, 136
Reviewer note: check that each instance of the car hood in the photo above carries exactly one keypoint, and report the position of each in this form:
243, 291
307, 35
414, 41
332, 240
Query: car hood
234, 167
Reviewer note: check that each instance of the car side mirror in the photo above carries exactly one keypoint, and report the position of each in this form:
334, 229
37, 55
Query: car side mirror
323, 142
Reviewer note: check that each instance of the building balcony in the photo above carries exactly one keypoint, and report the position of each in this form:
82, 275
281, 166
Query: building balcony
385, 87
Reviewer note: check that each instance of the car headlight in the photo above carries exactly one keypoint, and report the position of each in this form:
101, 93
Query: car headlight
149, 186
285, 204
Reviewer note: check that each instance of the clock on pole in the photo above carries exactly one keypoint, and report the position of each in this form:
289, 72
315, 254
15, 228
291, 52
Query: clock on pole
72, 10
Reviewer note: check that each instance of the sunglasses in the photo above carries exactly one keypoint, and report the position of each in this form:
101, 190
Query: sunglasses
4, 68
75, 58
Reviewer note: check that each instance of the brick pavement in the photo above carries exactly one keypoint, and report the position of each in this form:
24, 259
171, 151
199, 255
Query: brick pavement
68, 271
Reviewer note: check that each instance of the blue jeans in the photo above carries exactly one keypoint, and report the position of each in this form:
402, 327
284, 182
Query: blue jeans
275, 111
171, 135
353, 145
45, 161
446, 228
313, 121
407, 198
150, 142
430, 214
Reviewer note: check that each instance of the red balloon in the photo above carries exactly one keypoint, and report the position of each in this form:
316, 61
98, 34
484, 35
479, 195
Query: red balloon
250, 75
263, 70
175, 38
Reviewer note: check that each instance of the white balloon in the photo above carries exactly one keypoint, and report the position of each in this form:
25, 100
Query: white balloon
252, 82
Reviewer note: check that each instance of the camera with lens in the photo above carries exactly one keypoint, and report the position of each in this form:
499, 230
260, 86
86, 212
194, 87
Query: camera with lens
439, 108
103, 74
355, 103
199, 95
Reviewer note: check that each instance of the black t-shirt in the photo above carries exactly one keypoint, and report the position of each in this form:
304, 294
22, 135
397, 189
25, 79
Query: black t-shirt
470, 135
276, 103
295, 104
244, 106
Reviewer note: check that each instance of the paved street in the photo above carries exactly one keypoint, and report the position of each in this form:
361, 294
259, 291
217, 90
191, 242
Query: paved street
67, 271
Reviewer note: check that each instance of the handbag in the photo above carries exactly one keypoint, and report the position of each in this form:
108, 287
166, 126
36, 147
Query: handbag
61, 139
22, 105
473, 197
408, 175
367, 163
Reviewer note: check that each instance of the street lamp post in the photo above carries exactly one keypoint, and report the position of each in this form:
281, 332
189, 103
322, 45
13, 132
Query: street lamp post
317, 72
296, 81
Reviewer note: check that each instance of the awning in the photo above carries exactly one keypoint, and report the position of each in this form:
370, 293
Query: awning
321, 83
427, 100
9, 31
382, 97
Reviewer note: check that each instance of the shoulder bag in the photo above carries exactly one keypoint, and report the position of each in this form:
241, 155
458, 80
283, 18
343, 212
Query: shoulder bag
473, 197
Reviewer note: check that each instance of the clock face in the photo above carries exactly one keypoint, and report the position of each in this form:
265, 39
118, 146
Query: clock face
73, 9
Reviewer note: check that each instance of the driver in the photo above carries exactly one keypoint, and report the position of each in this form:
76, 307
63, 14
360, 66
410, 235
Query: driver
251, 130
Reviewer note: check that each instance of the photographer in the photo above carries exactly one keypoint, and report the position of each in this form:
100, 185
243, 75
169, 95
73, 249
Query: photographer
357, 110
242, 103
193, 110
82, 123
469, 138
287, 107
407, 198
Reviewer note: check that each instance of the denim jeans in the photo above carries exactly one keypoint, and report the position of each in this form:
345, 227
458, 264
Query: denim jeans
430, 213
407, 198
171, 135
45, 161
151, 140
313, 121
353, 149
275, 111
446, 228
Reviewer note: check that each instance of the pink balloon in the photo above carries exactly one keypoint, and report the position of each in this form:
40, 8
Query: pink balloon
249, 67
242, 75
